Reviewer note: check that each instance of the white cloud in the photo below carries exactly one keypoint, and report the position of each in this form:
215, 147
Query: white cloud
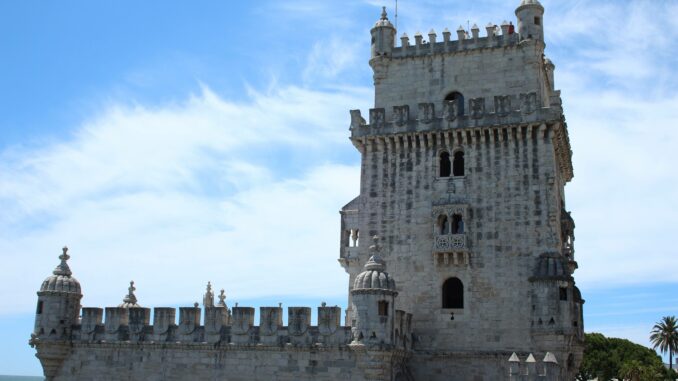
242, 194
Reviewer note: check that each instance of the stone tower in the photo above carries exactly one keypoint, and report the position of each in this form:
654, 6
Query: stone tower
464, 161
58, 310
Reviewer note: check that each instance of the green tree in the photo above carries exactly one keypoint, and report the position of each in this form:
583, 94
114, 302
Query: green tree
608, 358
664, 335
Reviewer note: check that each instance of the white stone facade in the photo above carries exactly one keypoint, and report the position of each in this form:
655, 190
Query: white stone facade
464, 161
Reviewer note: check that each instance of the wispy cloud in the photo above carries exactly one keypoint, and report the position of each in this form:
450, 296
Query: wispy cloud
243, 194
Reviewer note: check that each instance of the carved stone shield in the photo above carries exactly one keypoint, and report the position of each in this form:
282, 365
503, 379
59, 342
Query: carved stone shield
477, 108
214, 319
502, 105
528, 102
451, 110
377, 117
426, 113
163, 318
242, 320
91, 317
401, 114
270, 321
187, 320
298, 320
328, 320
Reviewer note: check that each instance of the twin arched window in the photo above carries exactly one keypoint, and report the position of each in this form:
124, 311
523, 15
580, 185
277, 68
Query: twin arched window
453, 293
454, 167
455, 227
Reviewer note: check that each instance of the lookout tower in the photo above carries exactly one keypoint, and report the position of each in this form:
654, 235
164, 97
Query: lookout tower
464, 161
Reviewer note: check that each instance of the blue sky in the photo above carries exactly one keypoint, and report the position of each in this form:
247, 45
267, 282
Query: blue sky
157, 139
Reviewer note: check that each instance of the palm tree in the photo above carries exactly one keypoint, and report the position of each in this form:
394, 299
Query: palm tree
664, 336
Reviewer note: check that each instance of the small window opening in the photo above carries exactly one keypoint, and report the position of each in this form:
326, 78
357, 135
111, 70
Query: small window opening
457, 96
457, 224
38, 311
453, 293
383, 308
563, 293
537, 20
458, 164
445, 165
443, 224
355, 237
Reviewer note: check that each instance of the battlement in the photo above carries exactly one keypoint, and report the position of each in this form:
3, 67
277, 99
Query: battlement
133, 325
495, 37
514, 109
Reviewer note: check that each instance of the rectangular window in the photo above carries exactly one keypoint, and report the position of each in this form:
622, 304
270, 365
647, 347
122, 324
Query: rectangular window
383, 308
38, 311
563, 293
537, 21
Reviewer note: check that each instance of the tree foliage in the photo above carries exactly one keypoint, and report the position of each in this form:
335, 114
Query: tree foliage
608, 358
664, 336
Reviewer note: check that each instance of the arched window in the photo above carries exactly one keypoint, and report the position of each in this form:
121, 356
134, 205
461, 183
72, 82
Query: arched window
457, 224
445, 165
443, 225
453, 293
456, 96
458, 164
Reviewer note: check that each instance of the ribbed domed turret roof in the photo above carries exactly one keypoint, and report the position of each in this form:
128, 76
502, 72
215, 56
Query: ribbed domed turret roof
374, 276
61, 279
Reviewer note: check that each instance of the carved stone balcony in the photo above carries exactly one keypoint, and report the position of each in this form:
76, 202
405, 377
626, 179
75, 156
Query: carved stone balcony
450, 250
446, 243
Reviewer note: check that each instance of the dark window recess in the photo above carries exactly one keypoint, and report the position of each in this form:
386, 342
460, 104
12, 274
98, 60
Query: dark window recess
456, 96
383, 308
537, 21
38, 311
443, 224
458, 164
445, 165
563, 293
453, 293
457, 224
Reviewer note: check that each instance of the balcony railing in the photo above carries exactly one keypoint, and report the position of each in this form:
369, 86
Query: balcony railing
449, 242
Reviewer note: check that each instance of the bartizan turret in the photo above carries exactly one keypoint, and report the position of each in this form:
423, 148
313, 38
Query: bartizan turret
530, 15
373, 297
57, 311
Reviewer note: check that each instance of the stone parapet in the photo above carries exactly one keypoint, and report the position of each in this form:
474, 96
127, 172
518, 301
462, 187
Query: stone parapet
120, 325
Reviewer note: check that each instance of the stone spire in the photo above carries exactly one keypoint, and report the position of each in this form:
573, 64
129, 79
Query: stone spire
208, 298
130, 300
62, 268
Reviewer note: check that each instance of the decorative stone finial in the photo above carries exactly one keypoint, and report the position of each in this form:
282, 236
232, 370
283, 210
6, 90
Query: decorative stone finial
323, 304
62, 268
208, 298
375, 247
130, 300
383, 13
196, 305
222, 298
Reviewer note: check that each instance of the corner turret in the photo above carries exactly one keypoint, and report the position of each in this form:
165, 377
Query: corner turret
383, 36
530, 15
57, 311
373, 297
58, 302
